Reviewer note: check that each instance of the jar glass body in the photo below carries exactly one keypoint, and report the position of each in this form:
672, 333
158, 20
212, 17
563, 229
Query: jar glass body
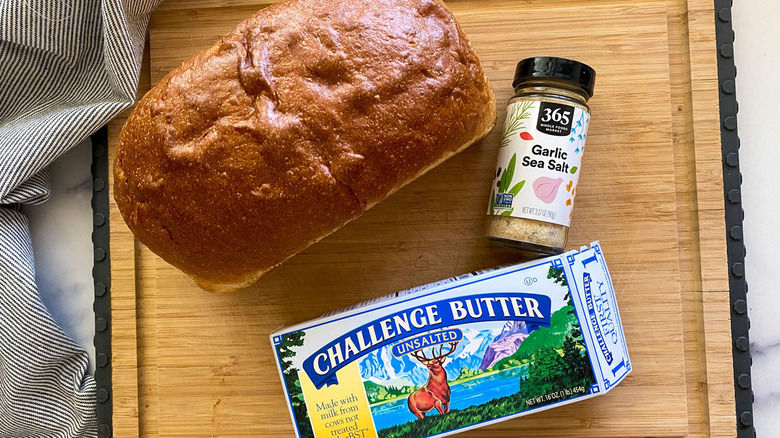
529, 234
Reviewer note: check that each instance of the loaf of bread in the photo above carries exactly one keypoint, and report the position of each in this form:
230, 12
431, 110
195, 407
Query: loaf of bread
306, 115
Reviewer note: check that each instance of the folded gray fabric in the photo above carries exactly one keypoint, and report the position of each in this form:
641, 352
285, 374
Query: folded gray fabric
66, 68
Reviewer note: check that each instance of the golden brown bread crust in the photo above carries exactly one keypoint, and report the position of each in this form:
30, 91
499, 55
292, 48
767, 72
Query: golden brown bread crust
307, 114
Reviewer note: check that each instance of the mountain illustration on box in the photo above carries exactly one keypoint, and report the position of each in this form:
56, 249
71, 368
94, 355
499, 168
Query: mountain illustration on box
480, 350
382, 367
504, 345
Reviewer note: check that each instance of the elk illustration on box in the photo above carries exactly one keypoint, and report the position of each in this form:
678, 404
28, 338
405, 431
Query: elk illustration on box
436, 392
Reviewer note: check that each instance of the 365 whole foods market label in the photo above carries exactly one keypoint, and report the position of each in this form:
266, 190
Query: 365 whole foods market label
457, 354
539, 160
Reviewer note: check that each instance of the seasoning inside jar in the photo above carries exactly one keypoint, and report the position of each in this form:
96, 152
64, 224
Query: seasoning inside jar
540, 155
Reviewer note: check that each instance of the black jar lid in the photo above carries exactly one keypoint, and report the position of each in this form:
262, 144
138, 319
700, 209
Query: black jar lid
551, 67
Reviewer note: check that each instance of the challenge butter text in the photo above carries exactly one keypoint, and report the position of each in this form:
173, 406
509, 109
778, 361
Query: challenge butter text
412, 321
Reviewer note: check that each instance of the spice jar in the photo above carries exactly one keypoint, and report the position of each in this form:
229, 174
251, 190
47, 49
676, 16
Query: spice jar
539, 158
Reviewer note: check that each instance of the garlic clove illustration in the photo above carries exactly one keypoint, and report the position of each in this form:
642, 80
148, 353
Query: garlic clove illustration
546, 189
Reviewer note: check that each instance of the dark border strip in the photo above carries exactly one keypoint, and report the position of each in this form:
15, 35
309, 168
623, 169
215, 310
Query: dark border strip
732, 179
101, 273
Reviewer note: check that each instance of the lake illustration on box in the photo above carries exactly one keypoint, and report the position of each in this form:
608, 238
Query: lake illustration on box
474, 392
468, 373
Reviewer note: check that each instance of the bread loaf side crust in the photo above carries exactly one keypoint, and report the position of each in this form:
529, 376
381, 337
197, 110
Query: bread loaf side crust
306, 115
223, 288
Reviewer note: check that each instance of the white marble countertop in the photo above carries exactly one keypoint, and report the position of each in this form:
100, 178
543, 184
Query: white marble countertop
62, 227
61, 231
757, 54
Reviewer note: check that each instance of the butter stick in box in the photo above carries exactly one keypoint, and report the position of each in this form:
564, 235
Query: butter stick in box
459, 353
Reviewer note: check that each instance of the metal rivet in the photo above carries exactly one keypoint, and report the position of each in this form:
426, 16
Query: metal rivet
743, 215
100, 289
734, 196
746, 286
743, 381
748, 323
738, 269
746, 418
739, 143
736, 107
735, 71
98, 185
730, 123
742, 343
101, 325
728, 87
727, 50
101, 360
104, 431
102, 395
736, 232
99, 220
100, 254
724, 15
732, 159
740, 307
98, 150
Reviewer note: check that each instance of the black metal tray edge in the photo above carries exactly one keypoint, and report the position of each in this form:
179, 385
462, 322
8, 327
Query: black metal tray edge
732, 180
101, 273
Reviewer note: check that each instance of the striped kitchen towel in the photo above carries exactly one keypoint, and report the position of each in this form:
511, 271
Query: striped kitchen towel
66, 68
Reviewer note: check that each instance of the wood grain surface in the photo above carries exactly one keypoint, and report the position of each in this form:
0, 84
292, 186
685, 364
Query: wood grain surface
190, 364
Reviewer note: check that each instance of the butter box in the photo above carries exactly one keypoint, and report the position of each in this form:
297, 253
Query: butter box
457, 354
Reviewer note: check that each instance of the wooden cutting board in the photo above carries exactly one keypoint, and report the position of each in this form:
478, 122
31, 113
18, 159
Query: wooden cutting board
190, 364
